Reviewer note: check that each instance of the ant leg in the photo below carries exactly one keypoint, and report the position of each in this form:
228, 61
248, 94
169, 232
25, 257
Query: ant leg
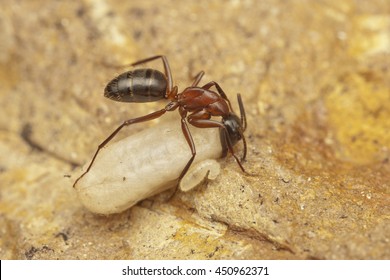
197, 78
148, 59
148, 117
190, 141
220, 91
244, 143
201, 123
242, 111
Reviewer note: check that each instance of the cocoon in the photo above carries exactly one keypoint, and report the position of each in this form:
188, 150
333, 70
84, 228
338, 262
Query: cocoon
147, 163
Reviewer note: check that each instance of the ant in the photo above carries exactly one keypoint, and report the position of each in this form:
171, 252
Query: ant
196, 106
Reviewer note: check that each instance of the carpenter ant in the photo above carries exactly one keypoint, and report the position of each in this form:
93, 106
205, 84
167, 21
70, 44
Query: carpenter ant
196, 106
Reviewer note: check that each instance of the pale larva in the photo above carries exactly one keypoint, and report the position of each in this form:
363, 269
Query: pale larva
145, 164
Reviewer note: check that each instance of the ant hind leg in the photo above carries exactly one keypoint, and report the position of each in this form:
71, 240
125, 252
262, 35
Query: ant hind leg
148, 117
197, 78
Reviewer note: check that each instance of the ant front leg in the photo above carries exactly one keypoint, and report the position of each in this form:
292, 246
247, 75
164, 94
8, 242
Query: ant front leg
242, 112
151, 116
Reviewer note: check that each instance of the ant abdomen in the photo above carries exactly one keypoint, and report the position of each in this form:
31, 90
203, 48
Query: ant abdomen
140, 85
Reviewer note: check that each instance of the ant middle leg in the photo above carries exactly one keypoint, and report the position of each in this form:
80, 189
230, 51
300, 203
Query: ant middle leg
190, 141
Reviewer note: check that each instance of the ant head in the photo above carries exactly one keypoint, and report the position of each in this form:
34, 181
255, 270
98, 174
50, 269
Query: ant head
235, 128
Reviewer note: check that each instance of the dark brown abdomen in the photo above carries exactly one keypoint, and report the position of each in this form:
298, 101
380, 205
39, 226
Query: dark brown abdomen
140, 85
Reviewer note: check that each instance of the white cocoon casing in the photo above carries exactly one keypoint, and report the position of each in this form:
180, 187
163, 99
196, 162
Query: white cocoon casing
142, 165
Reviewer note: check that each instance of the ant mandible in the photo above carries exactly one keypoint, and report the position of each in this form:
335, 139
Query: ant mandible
147, 85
